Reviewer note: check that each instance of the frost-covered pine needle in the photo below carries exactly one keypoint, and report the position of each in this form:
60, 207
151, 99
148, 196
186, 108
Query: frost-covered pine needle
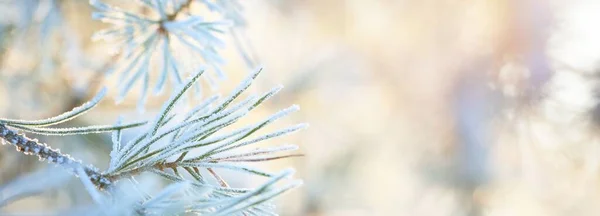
169, 32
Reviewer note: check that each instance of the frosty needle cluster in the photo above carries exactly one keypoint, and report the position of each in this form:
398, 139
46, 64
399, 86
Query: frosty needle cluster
188, 149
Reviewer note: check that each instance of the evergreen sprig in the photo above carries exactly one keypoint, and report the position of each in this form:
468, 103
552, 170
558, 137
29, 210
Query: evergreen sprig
189, 149
161, 36
176, 148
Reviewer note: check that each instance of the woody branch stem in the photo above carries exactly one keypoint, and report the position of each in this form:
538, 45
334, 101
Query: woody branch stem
44, 152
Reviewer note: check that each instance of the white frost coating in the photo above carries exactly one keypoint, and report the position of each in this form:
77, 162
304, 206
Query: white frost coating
260, 194
99, 5
89, 186
217, 138
230, 166
161, 8
201, 108
173, 100
142, 73
258, 151
185, 143
117, 134
174, 25
218, 116
127, 149
249, 100
211, 123
62, 117
283, 113
239, 89
77, 130
286, 173
177, 80
269, 120
209, 117
269, 94
182, 140
281, 132
262, 197
116, 144
165, 67
278, 133
198, 35
129, 30
141, 106
130, 61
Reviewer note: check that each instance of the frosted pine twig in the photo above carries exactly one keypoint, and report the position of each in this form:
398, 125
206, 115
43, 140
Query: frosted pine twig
172, 144
171, 37
44, 152
188, 147
33, 147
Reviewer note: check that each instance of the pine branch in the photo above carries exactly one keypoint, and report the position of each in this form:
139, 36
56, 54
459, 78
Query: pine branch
200, 127
184, 6
139, 37
198, 142
33, 147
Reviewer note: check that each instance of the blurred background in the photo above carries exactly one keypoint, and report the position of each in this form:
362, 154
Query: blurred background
417, 107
